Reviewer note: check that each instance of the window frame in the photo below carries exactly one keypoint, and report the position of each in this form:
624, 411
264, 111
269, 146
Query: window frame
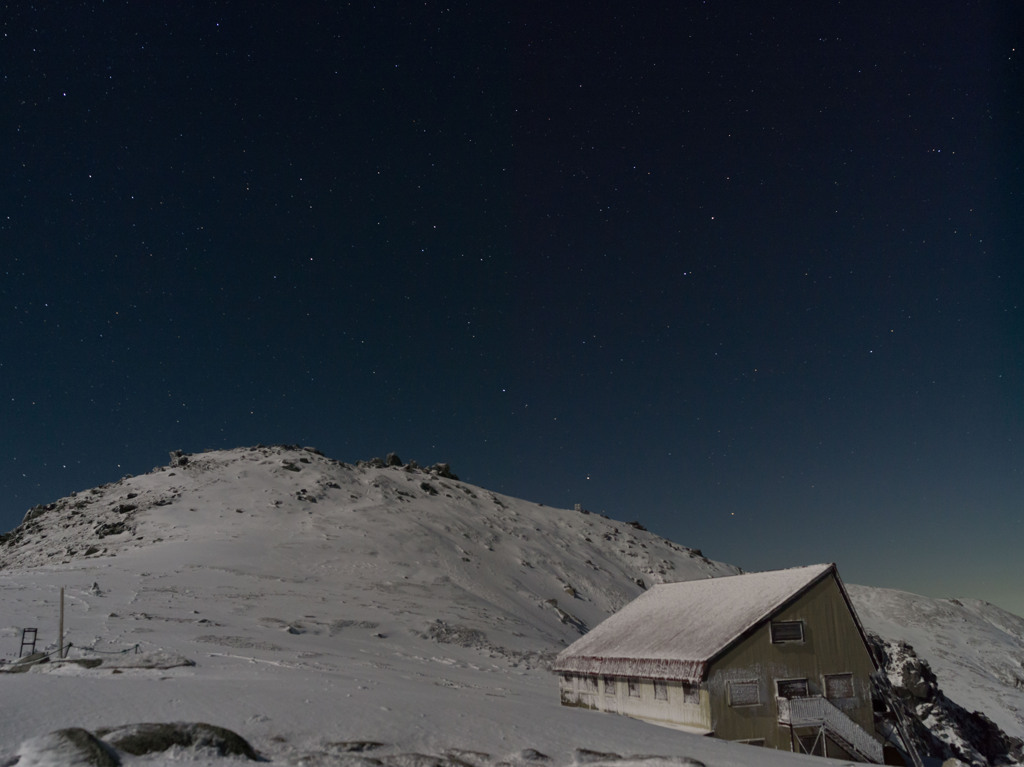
660, 689
794, 681
735, 684
779, 627
691, 693
846, 675
632, 688
611, 686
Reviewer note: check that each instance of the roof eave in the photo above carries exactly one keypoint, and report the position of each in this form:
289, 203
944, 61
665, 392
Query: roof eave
668, 669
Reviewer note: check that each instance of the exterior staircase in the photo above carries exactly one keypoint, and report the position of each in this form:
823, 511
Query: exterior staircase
816, 711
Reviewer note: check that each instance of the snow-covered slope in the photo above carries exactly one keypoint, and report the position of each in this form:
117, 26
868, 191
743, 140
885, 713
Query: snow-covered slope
975, 648
421, 545
328, 607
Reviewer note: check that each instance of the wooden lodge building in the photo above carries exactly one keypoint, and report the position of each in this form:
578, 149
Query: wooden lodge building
777, 659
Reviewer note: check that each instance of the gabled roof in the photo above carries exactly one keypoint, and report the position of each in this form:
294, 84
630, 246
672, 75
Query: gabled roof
673, 630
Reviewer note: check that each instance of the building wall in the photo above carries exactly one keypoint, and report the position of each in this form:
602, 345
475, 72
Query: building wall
675, 704
831, 644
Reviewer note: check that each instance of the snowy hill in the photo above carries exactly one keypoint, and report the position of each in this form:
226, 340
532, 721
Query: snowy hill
427, 546
975, 649
329, 607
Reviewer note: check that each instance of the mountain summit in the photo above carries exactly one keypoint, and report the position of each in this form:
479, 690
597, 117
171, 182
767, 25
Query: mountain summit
416, 540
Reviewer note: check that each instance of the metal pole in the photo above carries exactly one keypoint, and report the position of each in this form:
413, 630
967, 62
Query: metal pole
60, 640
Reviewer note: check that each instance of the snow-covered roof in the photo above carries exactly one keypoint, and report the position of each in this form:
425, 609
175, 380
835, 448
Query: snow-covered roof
674, 630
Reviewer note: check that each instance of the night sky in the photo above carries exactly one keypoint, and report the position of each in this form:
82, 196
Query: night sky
747, 272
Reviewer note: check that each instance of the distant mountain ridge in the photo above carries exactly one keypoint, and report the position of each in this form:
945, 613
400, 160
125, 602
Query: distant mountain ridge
401, 548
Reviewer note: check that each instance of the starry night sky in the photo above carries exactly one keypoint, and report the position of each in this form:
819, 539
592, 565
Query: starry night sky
749, 273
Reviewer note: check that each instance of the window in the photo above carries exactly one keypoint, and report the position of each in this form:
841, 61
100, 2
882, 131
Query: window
787, 631
588, 684
838, 686
660, 690
744, 693
792, 688
633, 687
691, 693
609, 686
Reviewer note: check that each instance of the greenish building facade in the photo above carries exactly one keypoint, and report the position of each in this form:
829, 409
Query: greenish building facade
774, 659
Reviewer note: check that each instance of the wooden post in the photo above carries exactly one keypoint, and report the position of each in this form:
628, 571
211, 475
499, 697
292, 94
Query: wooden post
60, 637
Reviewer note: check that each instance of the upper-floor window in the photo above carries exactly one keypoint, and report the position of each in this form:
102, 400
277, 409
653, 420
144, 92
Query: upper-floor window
792, 688
787, 631
838, 686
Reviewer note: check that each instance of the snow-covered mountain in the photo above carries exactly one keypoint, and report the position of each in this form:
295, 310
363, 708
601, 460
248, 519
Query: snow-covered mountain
373, 613
958, 664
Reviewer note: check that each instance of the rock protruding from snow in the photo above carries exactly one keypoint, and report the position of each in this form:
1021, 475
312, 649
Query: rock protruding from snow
354, 754
77, 747
157, 737
179, 458
71, 747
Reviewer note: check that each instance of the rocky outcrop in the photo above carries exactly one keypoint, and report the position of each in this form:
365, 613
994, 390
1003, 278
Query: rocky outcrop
76, 747
157, 737
939, 727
